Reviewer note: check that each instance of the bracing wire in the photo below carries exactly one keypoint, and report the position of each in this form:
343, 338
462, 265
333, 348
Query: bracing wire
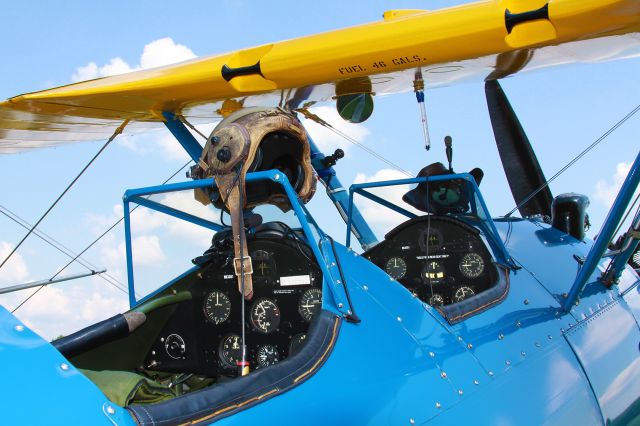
360, 145
84, 169
576, 158
94, 242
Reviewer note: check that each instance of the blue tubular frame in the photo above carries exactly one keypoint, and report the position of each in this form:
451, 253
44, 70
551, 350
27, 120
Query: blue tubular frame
135, 196
359, 188
183, 135
338, 195
604, 237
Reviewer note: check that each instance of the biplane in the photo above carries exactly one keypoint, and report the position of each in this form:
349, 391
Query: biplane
454, 316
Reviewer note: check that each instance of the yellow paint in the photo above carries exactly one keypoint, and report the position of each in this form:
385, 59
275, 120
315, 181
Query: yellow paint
464, 39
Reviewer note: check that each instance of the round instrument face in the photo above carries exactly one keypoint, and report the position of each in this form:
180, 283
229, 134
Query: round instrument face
296, 343
433, 272
430, 240
436, 300
217, 307
310, 303
231, 350
396, 267
471, 265
463, 293
264, 266
265, 315
174, 346
267, 355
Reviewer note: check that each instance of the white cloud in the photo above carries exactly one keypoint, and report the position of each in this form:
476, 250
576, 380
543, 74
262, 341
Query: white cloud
146, 249
606, 190
159, 52
326, 140
382, 218
15, 270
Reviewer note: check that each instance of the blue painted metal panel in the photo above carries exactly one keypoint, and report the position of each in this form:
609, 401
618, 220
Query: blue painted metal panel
606, 343
39, 390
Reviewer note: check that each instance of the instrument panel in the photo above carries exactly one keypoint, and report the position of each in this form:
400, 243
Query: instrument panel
204, 335
440, 259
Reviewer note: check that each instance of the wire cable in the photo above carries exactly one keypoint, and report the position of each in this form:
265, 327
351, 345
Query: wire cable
84, 169
575, 159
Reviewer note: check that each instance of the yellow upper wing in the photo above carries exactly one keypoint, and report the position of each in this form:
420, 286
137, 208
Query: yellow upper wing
490, 39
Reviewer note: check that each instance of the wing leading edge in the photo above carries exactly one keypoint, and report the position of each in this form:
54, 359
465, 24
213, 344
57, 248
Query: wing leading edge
484, 40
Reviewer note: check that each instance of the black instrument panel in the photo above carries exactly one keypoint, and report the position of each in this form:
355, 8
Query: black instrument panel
439, 258
204, 334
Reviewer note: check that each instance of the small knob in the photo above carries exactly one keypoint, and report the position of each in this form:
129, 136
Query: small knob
224, 154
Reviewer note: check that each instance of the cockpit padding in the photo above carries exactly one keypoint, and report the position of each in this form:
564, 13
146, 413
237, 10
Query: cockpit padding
225, 399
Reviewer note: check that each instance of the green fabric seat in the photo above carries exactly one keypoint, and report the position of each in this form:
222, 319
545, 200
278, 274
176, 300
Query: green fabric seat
124, 387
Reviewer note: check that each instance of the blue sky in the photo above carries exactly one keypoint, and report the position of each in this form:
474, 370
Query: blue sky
563, 110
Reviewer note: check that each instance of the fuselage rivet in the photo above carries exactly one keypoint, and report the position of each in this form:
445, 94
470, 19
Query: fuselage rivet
538, 344
475, 382
507, 362
500, 336
365, 288
399, 319
110, 410
526, 301
431, 354
469, 346
518, 324
549, 337
340, 305
64, 366
438, 405
460, 392
411, 421
523, 353
491, 373
443, 374
19, 327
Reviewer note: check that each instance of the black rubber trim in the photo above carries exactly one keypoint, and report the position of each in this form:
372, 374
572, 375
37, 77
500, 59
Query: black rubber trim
224, 399
513, 19
460, 311
229, 73
93, 336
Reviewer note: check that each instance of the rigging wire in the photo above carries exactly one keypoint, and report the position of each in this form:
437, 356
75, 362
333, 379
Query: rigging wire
100, 151
576, 158
313, 117
95, 241
631, 207
61, 248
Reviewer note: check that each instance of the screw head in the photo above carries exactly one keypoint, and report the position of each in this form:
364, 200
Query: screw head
443, 374
438, 405
523, 353
431, 354
460, 392
518, 324
110, 410
399, 319
526, 301
411, 421
340, 305
500, 336
19, 327
476, 382
469, 346
365, 288
277, 176
538, 344
490, 373
64, 366
507, 362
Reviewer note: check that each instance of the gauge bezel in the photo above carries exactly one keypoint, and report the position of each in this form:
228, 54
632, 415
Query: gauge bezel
254, 321
206, 313
276, 351
465, 272
225, 361
317, 307
404, 272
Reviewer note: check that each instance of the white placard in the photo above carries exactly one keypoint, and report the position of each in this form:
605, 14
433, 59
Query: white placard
295, 280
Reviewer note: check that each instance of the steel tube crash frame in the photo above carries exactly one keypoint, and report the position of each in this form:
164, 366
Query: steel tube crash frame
475, 197
604, 238
136, 196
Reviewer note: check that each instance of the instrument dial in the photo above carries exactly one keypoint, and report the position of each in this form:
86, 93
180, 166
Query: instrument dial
433, 272
310, 303
174, 346
267, 355
217, 307
263, 264
431, 240
471, 265
463, 293
265, 315
231, 350
296, 343
436, 300
396, 267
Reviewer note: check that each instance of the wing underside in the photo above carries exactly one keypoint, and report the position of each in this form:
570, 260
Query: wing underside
485, 40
